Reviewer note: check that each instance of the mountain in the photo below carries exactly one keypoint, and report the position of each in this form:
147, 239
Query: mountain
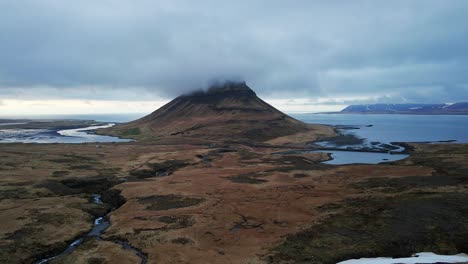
457, 108
228, 111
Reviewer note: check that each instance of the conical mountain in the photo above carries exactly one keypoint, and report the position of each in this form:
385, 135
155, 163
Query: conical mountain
227, 111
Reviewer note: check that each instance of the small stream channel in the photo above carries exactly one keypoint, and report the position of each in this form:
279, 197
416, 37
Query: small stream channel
100, 225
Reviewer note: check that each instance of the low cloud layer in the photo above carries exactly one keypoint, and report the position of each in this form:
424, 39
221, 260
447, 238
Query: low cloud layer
377, 51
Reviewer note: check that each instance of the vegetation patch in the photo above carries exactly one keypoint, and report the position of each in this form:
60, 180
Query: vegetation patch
177, 221
167, 202
447, 173
300, 175
30, 243
81, 167
390, 226
113, 197
56, 187
131, 132
249, 178
28, 239
182, 241
79, 185
246, 223
158, 169
73, 158
94, 260
395, 185
60, 173
108, 172
9, 192
344, 140
142, 174
172, 222
293, 163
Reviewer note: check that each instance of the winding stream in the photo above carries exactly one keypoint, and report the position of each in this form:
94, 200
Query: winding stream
100, 225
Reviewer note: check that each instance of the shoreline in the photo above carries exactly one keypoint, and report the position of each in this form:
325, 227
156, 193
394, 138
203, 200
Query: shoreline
386, 113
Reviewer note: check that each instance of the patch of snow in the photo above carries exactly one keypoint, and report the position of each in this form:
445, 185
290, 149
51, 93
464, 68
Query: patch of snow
414, 108
423, 257
447, 105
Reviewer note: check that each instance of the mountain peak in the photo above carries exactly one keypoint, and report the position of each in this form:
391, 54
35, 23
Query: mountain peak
225, 111
226, 88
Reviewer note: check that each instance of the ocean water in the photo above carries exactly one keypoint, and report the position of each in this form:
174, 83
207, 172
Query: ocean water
378, 128
385, 128
109, 118
397, 128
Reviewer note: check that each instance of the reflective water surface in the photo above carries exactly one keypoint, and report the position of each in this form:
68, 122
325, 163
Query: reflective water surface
78, 135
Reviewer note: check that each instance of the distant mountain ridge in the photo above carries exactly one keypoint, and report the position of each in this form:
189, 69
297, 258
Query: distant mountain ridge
456, 108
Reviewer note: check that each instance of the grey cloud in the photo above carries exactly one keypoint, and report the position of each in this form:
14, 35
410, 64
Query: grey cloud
398, 50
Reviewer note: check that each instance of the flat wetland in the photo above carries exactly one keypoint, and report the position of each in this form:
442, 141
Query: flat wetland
192, 201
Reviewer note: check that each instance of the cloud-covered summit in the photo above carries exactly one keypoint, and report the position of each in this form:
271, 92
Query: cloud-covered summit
413, 51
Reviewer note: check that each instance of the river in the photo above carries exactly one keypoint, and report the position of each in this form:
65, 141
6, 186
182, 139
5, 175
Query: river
101, 223
70, 136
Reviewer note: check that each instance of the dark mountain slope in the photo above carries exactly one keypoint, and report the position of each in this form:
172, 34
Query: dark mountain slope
230, 111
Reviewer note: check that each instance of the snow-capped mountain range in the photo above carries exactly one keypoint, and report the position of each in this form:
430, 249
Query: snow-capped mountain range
454, 108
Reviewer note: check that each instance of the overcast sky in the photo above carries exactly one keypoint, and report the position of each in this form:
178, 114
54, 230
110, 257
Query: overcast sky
131, 56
